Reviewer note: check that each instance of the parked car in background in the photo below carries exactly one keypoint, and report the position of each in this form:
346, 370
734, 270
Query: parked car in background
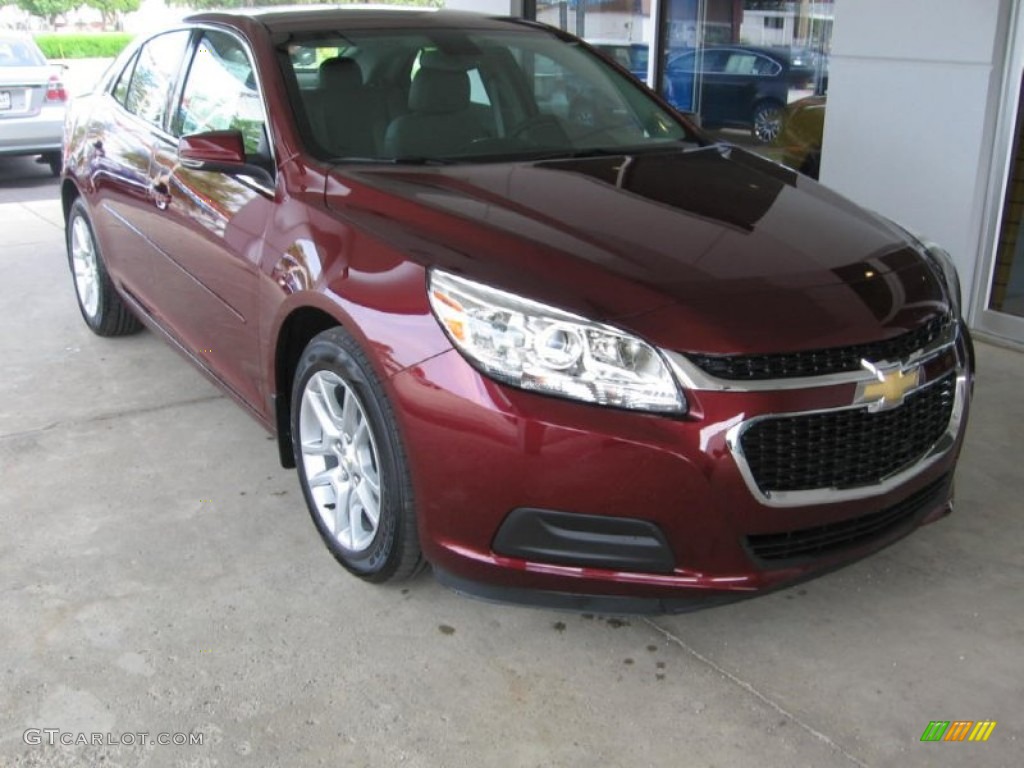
811, 66
507, 314
633, 56
32, 101
740, 86
801, 136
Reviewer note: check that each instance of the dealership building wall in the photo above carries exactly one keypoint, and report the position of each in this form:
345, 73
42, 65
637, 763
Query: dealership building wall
922, 107
915, 103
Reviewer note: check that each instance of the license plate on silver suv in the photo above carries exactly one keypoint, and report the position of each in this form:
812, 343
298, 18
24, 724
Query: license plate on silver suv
5, 99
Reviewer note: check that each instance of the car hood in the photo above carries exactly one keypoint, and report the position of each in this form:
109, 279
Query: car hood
713, 250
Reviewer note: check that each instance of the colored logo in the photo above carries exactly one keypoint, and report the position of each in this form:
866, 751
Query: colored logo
958, 730
891, 388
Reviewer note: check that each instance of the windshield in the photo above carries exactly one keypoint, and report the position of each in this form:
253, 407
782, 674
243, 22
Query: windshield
434, 96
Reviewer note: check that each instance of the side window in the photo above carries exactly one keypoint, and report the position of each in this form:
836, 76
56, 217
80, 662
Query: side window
156, 67
714, 61
120, 91
767, 67
221, 93
621, 56
477, 89
683, 63
741, 64
708, 62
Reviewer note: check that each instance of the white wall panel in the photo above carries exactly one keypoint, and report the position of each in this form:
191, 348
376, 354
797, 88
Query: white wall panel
913, 96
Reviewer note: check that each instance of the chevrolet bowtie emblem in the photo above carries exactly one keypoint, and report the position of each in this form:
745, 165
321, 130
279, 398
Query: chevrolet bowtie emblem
892, 387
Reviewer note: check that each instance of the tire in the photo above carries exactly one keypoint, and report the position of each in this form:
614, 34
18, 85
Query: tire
351, 463
812, 164
55, 162
766, 121
103, 310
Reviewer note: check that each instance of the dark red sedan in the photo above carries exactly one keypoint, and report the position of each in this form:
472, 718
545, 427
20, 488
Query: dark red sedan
509, 314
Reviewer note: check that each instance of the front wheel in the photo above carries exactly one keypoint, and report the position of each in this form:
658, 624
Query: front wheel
350, 461
103, 310
766, 122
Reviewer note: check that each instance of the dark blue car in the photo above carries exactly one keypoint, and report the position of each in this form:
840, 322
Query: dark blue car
632, 56
740, 86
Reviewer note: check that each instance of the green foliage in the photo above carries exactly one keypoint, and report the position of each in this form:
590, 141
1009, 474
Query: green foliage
114, 6
111, 8
48, 9
97, 45
215, 4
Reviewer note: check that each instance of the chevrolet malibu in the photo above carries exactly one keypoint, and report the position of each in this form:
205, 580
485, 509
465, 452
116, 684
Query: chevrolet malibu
509, 314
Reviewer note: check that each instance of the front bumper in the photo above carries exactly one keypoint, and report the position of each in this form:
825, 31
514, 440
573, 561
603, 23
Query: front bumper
482, 453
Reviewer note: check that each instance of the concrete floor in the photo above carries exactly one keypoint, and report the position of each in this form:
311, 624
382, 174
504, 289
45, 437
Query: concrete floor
158, 573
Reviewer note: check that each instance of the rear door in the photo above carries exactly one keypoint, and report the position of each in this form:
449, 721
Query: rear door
747, 78
209, 226
694, 83
123, 128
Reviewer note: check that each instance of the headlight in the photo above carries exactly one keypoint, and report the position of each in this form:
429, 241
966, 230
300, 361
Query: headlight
536, 347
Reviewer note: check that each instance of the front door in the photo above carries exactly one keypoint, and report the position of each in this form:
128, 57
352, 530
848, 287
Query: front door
211, 225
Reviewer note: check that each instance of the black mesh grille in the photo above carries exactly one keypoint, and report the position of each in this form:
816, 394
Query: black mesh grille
826, 539
850, 448
821, 362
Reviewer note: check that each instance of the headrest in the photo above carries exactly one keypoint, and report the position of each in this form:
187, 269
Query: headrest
341, 74
437, 90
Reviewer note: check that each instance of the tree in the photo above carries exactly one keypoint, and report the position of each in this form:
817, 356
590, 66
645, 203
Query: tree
48, 9
111, 8
214, 4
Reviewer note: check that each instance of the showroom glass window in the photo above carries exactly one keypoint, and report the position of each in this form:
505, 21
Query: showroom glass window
622, 29
153, 77
754, 72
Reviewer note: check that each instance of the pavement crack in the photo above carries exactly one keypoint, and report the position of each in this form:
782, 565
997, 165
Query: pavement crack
111, 416
41, 217
743, 684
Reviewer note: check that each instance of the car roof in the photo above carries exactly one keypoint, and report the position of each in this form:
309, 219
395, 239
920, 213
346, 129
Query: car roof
284, 19
772, 53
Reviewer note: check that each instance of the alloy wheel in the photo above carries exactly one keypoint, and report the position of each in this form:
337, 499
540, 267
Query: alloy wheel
767, 124
341, 461
86, 271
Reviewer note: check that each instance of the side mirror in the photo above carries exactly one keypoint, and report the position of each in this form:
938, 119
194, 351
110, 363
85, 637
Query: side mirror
220, 152
212, 151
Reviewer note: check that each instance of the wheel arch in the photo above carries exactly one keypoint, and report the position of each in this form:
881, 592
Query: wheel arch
296, 331
69, 192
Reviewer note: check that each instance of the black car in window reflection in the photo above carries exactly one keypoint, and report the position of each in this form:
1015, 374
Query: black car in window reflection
740, 86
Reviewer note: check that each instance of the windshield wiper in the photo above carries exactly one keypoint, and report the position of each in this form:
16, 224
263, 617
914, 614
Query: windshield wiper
354, 160
582, 154
416, 160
